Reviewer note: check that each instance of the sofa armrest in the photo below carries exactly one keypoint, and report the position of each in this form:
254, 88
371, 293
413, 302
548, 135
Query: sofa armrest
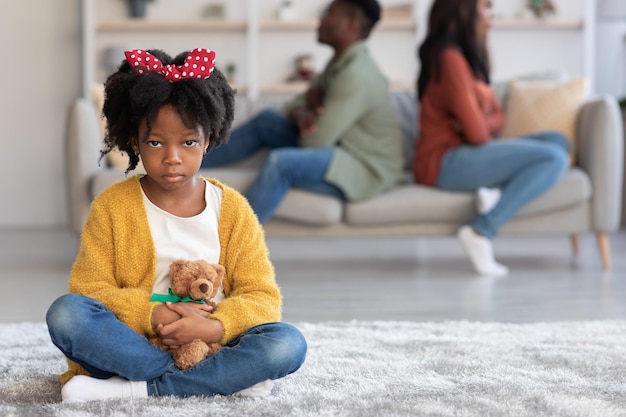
600, 139
83, 150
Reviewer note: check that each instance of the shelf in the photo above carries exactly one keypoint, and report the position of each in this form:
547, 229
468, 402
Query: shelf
312, 24
294, 87
139, 25
297, 87
397, 23
243, 31
534, 24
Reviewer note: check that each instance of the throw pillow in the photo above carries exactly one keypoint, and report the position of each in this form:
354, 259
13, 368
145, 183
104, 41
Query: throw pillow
116, 158
535, 106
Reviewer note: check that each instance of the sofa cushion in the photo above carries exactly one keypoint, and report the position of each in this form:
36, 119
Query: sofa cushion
417, 203
237, 178
299, 206
309, 208
103, 179
573, 188
534, 106
410, 203
501, 88
406, 108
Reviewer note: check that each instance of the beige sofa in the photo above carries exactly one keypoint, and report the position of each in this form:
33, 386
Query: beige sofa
587, 199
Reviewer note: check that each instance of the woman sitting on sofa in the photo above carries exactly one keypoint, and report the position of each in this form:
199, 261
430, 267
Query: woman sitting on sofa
459, 116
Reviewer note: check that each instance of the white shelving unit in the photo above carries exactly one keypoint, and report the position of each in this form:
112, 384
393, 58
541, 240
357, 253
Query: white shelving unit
400, 24
135, 25
261, 46
264, 47
552, 31
536, 24
564, 42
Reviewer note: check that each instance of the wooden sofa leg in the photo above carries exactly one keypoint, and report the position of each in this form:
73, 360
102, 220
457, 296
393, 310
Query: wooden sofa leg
575, 246
605, 249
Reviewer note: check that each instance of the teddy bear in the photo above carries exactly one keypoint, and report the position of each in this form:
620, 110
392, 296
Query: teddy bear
196, 281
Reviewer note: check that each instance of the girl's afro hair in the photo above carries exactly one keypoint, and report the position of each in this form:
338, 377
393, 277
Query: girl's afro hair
130, 98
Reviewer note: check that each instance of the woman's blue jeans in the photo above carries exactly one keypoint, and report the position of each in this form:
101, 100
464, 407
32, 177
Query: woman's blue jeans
523, 168
287, 165
92, 336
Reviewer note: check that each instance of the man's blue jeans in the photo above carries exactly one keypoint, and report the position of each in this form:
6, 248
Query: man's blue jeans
287, 165
523, 168
92, 336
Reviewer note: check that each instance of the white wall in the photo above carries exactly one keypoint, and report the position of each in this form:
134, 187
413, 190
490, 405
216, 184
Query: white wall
41, 76
520, 51
611, 36
277, 48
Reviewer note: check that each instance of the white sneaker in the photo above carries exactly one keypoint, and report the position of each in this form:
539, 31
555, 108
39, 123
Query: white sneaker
261, 389
487, 198
480, 252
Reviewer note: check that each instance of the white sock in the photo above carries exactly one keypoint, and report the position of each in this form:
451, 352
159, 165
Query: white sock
480, 252
487, 198
261, 389
85, 388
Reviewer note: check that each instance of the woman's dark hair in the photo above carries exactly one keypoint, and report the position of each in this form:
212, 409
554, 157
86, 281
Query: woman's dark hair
452, 23
130, 97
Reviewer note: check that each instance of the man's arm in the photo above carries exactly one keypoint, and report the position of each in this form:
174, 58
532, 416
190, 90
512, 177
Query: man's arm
344, 104
305, 115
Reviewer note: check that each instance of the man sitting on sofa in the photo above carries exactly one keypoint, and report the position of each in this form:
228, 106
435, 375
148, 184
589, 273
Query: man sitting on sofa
339, 138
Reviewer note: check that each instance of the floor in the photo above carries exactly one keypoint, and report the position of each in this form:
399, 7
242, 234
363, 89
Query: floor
426, 279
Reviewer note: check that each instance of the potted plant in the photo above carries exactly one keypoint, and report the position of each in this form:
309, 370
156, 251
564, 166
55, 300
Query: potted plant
137, 8
231, 70
541, 8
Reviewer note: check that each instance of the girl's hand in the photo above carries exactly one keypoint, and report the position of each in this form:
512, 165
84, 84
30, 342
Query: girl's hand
164, 315
203, 310
192, 324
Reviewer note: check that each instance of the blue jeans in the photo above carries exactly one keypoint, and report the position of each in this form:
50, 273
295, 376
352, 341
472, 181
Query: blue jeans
523, 168
287, 165
92, 336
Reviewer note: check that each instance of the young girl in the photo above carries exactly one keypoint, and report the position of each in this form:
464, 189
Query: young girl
459, 114
169, 113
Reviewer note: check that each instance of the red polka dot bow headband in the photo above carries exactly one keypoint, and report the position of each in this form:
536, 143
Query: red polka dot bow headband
199, 63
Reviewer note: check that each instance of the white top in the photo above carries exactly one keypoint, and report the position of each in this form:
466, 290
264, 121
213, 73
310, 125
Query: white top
188, 238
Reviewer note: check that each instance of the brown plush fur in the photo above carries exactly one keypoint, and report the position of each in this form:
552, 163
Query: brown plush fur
199, 280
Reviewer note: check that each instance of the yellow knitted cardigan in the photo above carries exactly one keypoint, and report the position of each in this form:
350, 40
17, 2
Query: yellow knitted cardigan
116, 263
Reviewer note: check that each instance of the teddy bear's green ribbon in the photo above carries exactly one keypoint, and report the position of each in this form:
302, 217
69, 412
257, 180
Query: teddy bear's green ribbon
173, 298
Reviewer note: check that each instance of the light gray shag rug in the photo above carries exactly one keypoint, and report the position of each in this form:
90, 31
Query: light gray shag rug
380, 368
